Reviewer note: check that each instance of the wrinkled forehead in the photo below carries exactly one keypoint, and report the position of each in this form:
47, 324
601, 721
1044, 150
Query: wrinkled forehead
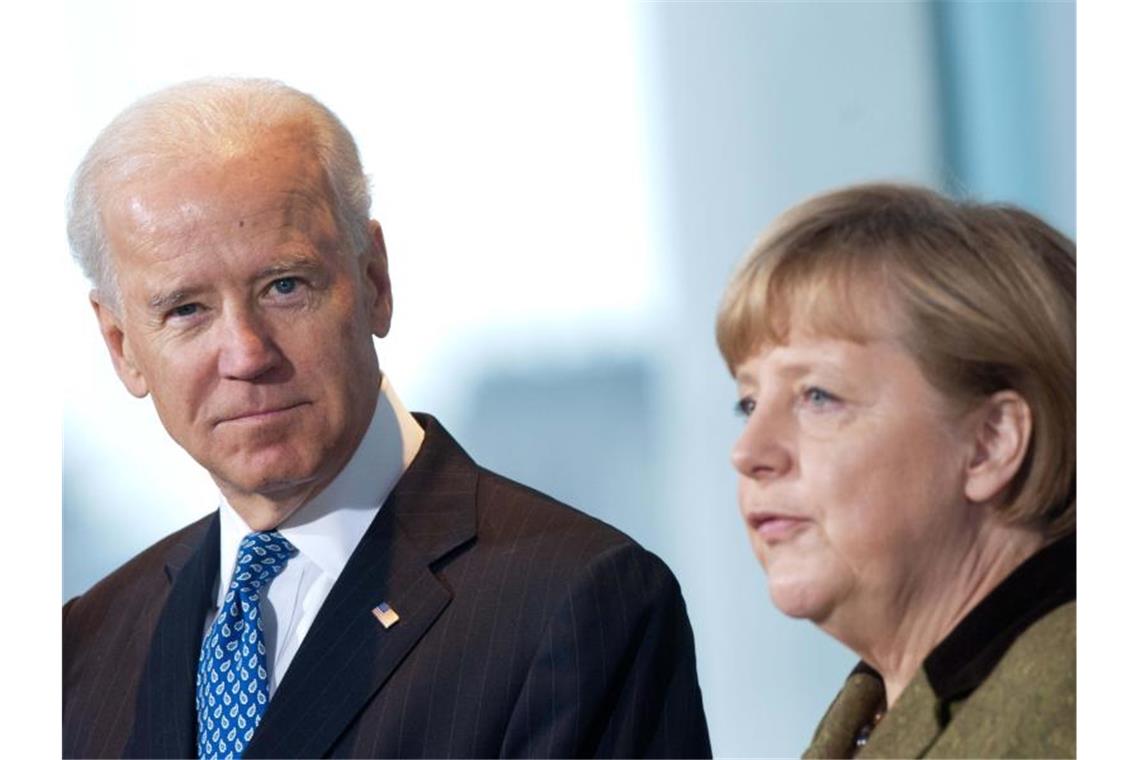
275, 183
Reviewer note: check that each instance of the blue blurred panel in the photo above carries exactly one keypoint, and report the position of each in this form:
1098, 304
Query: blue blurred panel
1008, 83
586, 434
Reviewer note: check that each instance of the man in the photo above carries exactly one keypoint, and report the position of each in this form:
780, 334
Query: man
364, 588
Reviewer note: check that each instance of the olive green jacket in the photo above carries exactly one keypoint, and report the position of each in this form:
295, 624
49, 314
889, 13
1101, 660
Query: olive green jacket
1003, 684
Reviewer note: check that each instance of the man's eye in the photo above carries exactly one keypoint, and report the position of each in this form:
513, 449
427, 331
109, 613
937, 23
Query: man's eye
744, 406
284, 285
185, 310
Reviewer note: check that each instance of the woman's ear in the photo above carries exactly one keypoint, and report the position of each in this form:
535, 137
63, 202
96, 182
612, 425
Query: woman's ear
1001, 439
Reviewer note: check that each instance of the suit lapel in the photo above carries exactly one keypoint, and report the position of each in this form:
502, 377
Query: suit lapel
165, 719
348, 655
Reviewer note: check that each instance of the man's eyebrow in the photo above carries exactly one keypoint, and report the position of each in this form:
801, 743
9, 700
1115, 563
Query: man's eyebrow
161, 302
289, 266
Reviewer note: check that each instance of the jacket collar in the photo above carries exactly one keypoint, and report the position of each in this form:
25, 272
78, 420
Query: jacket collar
1042, 583
434, 502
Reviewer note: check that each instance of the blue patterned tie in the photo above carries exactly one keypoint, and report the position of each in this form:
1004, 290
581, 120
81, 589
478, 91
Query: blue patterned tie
233, 686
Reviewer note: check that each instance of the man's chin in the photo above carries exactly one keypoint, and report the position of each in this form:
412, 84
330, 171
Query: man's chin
280, 490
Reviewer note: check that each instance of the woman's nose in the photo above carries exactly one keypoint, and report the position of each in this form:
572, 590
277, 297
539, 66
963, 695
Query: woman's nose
763, 449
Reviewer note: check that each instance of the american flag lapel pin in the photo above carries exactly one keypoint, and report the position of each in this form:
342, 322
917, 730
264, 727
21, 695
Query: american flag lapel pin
385, 614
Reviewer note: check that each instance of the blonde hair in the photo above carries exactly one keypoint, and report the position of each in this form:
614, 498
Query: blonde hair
982, 296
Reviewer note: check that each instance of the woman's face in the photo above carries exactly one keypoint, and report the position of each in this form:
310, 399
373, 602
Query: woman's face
852, 470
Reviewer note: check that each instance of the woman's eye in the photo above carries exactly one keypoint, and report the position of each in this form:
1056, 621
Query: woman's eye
744, 406
284, 285
819, 398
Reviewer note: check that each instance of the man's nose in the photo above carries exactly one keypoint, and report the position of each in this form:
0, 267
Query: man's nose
764, 449
248, 350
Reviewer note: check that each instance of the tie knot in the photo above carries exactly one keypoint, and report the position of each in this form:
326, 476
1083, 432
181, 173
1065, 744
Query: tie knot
261, 556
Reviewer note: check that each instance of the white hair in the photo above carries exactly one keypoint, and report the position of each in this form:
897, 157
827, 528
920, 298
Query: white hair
195, 121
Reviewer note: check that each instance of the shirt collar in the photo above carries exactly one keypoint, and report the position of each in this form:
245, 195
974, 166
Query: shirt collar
327, 528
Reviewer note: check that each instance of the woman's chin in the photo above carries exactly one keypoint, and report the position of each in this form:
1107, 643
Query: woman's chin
798, 599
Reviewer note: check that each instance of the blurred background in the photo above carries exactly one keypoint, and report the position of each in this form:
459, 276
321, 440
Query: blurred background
565, 190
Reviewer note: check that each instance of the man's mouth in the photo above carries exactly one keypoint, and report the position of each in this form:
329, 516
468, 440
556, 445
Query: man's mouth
261, 414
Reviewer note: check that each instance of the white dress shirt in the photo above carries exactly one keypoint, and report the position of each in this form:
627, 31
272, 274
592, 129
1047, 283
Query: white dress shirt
325, 531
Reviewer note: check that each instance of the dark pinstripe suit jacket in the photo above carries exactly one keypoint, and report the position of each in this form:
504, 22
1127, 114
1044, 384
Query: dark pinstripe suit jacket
526, 629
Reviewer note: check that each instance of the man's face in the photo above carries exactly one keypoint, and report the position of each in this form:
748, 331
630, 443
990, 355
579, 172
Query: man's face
248, 320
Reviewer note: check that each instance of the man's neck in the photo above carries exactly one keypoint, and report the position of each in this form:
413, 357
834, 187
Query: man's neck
266, 510
269, 506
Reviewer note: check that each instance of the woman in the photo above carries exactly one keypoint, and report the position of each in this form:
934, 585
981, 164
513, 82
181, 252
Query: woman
906, 367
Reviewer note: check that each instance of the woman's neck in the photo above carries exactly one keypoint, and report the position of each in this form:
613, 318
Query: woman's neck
898, 634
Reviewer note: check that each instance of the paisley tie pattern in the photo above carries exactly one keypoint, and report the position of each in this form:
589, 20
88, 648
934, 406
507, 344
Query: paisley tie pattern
233, 685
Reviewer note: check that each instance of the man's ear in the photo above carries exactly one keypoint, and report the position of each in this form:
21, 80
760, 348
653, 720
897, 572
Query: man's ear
377, 285
119, 347
1001, 439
